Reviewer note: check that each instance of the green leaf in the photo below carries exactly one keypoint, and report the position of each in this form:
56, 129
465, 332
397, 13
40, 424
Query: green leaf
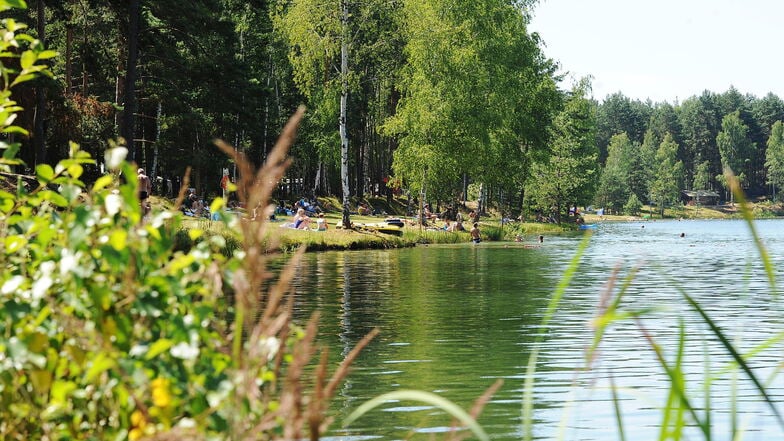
42, 380
23, 78
11, 150
158, 347
61, 389
75, 170
44, 173
28, 59
195, 233
99, 365
9, 4
118, 239
46, 54
16, 129
6, 201
54, 198
216, 205
102, 182
14, 243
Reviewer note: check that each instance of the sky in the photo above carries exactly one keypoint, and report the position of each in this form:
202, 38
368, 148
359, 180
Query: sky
666, 50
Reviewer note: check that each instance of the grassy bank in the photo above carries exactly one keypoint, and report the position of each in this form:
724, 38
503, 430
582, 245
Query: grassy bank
760, 209
289, 239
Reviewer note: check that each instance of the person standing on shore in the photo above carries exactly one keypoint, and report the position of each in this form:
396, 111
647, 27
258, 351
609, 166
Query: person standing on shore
476, 237
145, 188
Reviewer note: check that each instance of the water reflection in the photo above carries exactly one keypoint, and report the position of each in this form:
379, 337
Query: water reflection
454, 319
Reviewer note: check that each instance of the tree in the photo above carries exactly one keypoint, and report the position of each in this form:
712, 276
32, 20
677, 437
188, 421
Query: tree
735, 148
702, 177
569, 175
127, 129
325, 38
774, 157
647, 162
614, 188
344, 36
701, 123
666, 186
620, 114
632, 206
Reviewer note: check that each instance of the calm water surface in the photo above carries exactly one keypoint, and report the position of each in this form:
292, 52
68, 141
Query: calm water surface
454, 319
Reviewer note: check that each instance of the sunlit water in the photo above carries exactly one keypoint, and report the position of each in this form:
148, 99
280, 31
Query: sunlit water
454, 319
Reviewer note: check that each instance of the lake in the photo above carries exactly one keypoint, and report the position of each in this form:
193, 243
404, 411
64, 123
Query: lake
456, 318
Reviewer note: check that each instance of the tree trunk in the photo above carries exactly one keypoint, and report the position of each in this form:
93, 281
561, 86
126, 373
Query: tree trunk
127, 130
68, 56
359, 181
156, 142
343, 114
481, 205
521, 205
85, 47
39, 127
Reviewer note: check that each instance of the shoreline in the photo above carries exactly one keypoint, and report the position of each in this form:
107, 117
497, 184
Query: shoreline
287, 240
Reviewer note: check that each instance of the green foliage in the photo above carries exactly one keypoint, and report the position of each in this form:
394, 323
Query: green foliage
774, 157
477, 95
668, 179
735, 147
632, 206
702, 177
614, 187
107, 331
620, 114
569, 175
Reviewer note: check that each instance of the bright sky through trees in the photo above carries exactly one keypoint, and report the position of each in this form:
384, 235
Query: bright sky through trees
666, 50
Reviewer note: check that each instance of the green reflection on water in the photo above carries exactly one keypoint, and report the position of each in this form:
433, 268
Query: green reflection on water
453, 320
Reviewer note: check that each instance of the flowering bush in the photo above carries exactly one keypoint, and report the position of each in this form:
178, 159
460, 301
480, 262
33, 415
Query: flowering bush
108, 332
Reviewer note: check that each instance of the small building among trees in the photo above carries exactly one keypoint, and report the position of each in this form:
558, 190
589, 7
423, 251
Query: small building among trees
700, 197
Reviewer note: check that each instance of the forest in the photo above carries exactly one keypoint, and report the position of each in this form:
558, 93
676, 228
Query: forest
444, 100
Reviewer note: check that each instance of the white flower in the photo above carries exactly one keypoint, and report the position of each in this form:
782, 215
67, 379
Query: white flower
68, 262
114, 157
184, 351
186, 423
11, 285
138, 350
40, 286
48, 267
113, 203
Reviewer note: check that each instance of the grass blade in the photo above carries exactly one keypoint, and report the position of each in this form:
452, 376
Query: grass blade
551, 307
674, 381
707, 384
617, 408
748, 216
735, 355
424, 397
672, 420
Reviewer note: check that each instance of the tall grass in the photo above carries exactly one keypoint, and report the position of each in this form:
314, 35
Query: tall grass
425, 236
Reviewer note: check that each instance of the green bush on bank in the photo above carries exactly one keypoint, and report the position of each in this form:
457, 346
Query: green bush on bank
118, 327
106, 331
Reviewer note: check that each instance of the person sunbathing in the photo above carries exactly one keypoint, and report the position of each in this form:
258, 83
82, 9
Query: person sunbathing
301, 220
